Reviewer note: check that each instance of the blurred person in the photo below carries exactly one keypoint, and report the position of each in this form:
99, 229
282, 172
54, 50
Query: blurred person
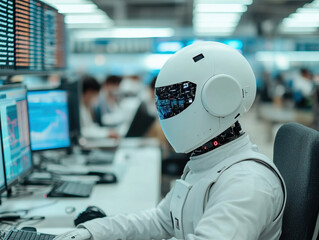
265, 91
279, 90
228, 189
131, 86
108, 100
90, 93
303, 89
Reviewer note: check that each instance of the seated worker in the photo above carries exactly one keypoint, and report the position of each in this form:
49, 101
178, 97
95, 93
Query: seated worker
108, 99
90, 93
228, 189
303, 87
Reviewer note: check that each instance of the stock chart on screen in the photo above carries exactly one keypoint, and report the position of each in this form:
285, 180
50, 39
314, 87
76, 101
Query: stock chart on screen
49, 119
15, 133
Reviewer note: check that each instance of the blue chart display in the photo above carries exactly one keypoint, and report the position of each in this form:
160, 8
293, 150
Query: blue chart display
15, 134
49, 119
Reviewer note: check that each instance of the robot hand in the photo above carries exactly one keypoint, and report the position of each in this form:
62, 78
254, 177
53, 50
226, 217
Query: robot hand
77, 234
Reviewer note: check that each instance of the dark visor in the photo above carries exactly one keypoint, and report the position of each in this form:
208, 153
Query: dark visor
173, 99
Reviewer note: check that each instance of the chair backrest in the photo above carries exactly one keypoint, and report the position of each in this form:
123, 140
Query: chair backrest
296, 154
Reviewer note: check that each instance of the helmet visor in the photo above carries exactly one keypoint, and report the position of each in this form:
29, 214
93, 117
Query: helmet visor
173, 99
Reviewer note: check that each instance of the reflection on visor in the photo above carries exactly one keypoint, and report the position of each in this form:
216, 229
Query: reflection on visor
173, 99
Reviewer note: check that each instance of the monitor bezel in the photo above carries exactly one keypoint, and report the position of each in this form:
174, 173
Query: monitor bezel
27, 172
44, 90
4, 187
74, 94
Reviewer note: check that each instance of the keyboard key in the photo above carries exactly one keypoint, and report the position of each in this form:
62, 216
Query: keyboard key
27, 235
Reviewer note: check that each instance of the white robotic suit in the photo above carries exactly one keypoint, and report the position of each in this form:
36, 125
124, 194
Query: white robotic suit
231, 192
245, 203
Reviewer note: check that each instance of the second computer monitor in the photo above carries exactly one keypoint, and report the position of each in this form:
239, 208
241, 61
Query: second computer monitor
49, 119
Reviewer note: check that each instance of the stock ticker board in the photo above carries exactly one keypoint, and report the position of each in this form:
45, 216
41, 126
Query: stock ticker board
32, 36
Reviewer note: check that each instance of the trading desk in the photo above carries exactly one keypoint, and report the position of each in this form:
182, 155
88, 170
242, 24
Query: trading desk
138, 189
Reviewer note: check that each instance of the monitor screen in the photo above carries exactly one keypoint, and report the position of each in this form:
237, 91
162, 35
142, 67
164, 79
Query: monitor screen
49, 119
15, 132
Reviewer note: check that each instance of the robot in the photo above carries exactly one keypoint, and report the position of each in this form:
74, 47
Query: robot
228, 189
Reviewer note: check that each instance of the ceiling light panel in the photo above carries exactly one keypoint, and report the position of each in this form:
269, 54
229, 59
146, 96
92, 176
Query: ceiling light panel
81, 13
223, 8
58, 2
217, 17
242, 2
125, 33
304, 20
76, 8
85, 18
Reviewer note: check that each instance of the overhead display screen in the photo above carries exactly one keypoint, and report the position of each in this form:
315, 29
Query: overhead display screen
32, 36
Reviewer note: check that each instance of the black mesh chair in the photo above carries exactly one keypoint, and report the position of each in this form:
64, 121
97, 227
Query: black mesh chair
296, 154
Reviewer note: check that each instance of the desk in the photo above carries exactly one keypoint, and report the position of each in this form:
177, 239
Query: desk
138, 189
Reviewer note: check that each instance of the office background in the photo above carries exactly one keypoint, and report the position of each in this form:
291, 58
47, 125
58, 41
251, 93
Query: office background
52, 46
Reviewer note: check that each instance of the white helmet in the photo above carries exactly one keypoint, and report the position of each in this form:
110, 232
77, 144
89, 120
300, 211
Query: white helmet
201, 91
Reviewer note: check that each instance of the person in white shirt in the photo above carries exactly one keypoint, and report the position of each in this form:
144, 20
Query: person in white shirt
303, 89
228, 191
107, 110
90, 93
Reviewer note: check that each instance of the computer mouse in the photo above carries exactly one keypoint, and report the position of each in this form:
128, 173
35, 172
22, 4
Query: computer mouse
90, 213
107, 178
30, 229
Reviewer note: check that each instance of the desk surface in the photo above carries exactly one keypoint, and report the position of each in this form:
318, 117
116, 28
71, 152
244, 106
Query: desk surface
274, 114
138, 189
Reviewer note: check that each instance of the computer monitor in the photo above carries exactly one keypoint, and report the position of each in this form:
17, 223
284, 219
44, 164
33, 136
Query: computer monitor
73, 89
141, 122
49, 119
15, 133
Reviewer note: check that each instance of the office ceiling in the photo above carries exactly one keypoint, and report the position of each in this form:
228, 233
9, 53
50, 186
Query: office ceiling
261, 19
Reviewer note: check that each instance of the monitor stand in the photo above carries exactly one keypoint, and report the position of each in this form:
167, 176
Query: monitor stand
15, 194
9, 192
38, 178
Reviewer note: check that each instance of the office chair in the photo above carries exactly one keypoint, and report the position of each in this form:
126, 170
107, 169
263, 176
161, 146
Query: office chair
296, 154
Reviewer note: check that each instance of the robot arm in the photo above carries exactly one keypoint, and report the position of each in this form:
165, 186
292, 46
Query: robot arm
150, 224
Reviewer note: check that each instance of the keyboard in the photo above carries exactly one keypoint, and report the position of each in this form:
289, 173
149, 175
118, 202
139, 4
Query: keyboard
71, 189
27, 235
